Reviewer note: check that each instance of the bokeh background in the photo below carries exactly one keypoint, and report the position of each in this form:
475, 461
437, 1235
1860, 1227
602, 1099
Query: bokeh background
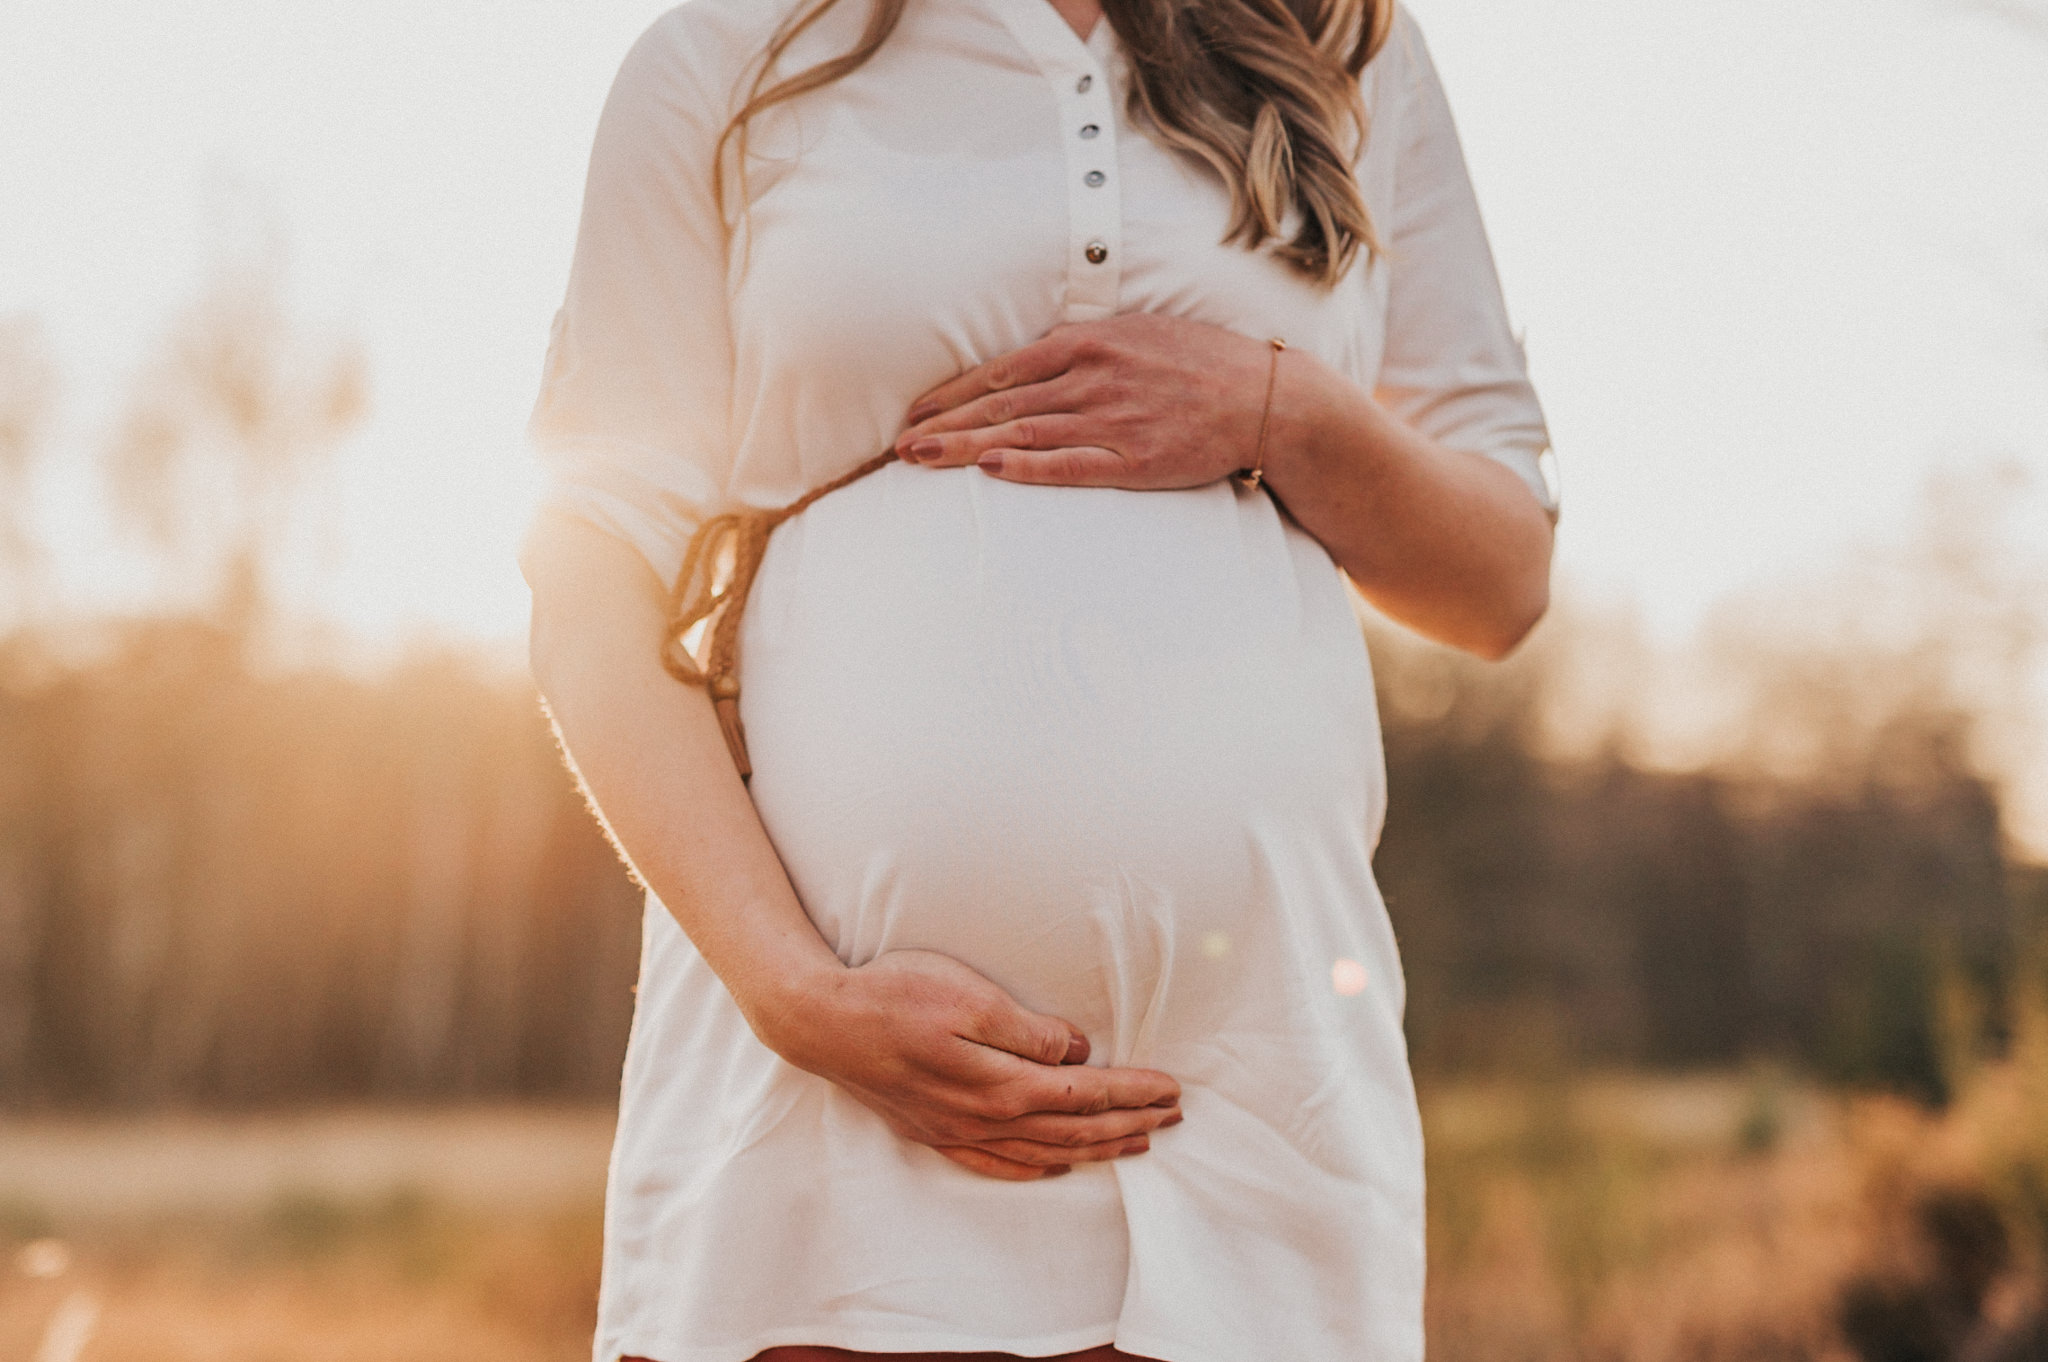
1724, 904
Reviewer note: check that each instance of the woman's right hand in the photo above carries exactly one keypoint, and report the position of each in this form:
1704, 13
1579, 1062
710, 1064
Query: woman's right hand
950, 1060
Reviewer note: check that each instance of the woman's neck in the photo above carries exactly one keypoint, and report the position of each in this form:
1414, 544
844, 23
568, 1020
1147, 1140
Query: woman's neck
1081, 15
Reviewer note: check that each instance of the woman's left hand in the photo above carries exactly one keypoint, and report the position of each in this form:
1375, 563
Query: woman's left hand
1447, 541
1140, 401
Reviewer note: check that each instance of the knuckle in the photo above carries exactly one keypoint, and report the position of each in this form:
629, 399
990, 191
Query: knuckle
1025, 432
1001, 407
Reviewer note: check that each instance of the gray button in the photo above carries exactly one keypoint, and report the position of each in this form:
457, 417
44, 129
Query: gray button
1096, 253
1094, 179
1081, 85
1089, 130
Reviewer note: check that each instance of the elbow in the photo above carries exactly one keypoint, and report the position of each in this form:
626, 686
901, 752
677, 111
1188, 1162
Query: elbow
541, 564
1513, 622
1518, 601
540, 649
539, 653
1522, 597
594, 602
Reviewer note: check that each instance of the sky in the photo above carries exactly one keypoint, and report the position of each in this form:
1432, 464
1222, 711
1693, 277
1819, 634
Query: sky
1776, 260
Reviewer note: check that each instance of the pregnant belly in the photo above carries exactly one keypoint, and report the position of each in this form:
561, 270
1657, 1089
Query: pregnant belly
1061, 734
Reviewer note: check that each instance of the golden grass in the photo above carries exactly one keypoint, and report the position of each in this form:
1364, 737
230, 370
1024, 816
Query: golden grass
312, 1280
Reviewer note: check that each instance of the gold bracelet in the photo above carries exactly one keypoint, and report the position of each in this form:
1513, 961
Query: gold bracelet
1251, 478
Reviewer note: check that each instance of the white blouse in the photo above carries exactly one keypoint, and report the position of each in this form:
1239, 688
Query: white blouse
1117, 750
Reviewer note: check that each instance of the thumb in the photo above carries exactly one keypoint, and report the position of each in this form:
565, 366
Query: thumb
1031, 1035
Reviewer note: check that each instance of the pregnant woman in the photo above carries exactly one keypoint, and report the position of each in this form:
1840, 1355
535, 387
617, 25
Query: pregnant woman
1056, 853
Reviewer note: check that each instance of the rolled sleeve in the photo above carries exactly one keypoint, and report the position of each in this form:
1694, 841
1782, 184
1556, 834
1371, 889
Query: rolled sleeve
1452, 367
631, 428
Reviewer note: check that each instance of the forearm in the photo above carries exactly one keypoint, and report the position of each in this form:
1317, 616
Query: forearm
1447, 542
650, 756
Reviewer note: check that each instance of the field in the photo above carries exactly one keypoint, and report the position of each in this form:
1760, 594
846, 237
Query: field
329, 1236
1708, 1219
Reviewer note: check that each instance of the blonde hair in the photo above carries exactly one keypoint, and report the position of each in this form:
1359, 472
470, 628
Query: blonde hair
1264, 91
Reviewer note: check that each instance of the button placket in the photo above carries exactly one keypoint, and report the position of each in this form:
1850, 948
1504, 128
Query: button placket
1083, 94
1095, 209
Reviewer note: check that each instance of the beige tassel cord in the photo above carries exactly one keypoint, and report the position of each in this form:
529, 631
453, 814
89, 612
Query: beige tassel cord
698, 597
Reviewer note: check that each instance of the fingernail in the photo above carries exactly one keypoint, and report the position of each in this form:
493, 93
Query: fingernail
923, 411
1172, 1120
1055, 1172
990, 462
921, 450
1137, 1146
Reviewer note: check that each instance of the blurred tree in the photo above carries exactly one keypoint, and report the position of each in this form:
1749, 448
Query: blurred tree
1908, 662
231, 882
1825, 879
28, 385
228, 423
27, 394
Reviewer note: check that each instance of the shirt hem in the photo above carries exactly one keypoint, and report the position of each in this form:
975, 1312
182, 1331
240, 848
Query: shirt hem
861, 1340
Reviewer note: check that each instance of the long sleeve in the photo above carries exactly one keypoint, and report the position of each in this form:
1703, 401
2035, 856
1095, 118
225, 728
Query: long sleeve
632, 424
1452, 367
